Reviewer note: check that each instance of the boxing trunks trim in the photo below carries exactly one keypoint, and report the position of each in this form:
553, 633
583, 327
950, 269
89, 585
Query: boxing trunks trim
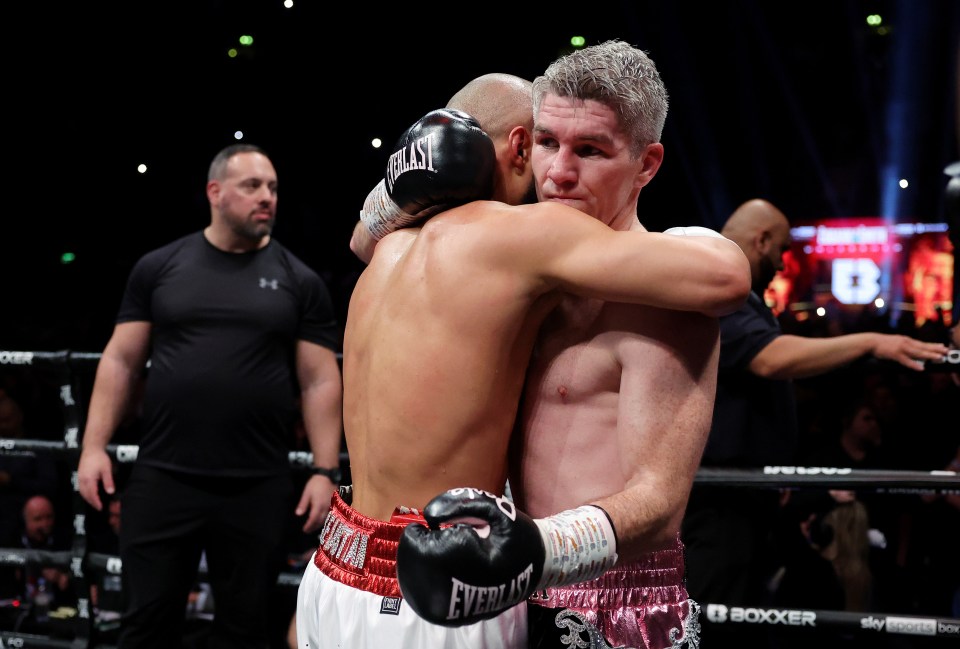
657, 578
360, 551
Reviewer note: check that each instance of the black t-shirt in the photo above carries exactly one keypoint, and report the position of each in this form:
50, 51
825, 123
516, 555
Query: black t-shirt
222, 395
754, 418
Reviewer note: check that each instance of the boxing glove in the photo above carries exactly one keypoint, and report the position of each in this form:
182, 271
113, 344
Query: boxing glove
443, 160
479, 555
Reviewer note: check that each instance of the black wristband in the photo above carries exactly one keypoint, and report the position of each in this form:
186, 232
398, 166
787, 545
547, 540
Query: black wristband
334, 474
612, 526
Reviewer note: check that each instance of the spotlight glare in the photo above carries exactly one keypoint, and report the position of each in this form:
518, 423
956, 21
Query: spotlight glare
821, 311
232, 52
238, 135
376, 143
67, 257
246, 39
578, 41
142, 168
879, 303
903, 183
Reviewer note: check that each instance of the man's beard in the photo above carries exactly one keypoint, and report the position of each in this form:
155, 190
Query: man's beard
253, 231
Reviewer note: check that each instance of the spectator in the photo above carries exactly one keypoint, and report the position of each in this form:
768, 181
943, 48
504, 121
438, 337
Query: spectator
38, 524
22, 473
859, 444
832, 565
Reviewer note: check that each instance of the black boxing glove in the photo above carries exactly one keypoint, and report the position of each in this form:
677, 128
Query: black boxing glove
443, 160
480, 555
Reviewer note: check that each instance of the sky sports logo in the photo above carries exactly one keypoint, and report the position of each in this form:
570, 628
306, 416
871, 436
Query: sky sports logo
909, 625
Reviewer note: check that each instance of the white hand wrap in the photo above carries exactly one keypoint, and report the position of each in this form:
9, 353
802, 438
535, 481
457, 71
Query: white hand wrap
381, 215
693, 231
580, 545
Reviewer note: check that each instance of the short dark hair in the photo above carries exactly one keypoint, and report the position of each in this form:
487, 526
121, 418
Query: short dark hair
219, 164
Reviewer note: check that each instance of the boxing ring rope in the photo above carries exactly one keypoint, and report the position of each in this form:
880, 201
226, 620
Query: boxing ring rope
83, 564
944, 483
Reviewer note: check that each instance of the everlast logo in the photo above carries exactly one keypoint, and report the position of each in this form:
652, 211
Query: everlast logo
468, 601
506, 507
418, 156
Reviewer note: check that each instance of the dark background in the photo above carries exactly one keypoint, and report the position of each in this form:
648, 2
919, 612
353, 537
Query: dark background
802, 103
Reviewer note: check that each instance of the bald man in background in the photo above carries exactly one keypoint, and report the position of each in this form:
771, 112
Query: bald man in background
755, 414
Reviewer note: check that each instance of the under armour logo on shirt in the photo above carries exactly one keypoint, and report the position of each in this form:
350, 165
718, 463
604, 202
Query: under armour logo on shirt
269, 283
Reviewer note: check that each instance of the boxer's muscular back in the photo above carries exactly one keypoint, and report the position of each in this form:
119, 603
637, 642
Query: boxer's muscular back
436, 344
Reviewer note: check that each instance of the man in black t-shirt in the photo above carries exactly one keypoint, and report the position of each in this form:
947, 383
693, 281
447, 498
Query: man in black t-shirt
240, 337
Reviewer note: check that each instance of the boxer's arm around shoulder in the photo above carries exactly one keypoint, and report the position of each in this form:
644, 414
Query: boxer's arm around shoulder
711, 252
706, 274
362, 243
120, 366
321, 392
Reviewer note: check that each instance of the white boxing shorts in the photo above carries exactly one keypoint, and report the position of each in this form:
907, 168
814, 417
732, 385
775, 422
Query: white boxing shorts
349, 597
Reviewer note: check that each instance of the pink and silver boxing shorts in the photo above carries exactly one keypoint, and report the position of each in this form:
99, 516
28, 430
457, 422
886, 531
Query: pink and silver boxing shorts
641, 605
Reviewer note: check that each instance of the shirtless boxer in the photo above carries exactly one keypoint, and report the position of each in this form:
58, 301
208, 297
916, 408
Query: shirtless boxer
439, 332
619, 397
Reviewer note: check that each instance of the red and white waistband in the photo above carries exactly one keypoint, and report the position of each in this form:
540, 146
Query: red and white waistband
360, 551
